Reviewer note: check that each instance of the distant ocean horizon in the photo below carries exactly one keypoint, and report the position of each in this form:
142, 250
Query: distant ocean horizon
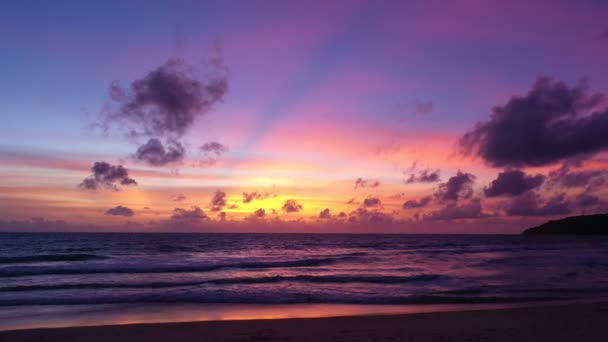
66, 269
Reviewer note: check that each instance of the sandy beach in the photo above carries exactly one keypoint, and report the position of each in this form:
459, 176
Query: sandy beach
570, 322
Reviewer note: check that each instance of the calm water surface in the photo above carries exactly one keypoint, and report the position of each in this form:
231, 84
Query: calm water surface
95, 269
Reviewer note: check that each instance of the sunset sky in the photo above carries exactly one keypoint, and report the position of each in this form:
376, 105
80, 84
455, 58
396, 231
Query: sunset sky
298, 116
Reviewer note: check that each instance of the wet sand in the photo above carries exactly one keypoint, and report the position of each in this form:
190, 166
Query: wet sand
570, 322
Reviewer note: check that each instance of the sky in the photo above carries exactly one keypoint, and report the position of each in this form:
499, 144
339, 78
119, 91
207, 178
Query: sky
302, 116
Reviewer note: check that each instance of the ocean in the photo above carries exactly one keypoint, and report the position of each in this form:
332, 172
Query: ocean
64, 270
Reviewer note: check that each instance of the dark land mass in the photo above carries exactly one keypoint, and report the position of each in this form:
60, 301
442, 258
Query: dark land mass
575, 225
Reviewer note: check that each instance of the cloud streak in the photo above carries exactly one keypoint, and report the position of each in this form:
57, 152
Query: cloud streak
248, 197
366, 183
566, 178
424, 176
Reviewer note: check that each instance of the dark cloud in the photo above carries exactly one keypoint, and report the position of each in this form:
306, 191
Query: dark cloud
513, 183
218, 202
588, 203
342, 214
531, 204
586, 200
366, 183
291, 206
454, 211
165, 102
179, 198
551, 123
362, 215
120, 211
351, 201
162, 106
372, 202
107, 176
424, 176
260, 213
154, 153
567, 178
325, 214
456, 188
412, 204
250, 196
195, 213
222, 216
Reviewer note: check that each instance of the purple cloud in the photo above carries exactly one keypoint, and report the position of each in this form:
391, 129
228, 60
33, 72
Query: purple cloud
456, 188
222, 216
366, 183
372, 202
120, 211
211, 151
513, 183
530, 204
107, 176
195, 213
412, 204
248, 197
291, 206
567, 178
362, 215
551, 123
260, 213
218, 202
154, 153
325, 214
164, 105
214, 147
424, 176
453, 211
165, 102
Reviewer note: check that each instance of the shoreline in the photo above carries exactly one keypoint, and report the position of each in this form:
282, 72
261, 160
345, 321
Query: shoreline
555, 322
69, 316
29, 317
